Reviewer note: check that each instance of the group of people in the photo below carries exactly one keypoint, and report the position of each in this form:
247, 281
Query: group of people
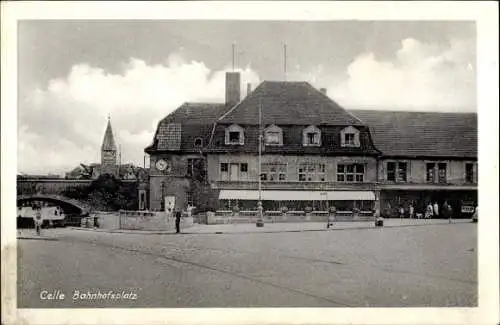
432, 210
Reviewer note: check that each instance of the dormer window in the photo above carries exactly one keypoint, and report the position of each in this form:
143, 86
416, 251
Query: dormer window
350, 137
198, 142
234, 135
273, 136
311, 136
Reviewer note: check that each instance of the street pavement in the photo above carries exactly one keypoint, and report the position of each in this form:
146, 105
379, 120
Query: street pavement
410, 265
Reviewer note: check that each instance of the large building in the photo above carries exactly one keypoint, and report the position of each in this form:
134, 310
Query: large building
314, 154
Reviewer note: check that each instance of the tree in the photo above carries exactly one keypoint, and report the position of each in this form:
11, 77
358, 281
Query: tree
110, 193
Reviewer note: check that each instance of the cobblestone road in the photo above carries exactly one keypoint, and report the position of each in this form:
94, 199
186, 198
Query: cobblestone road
431, 265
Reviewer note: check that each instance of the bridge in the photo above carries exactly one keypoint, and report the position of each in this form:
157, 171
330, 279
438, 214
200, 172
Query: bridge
61, 200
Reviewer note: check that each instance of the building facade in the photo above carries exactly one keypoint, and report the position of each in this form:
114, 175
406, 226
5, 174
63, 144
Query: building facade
309, 153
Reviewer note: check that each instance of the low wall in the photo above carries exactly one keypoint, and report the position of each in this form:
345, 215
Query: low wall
107, 220
149, 220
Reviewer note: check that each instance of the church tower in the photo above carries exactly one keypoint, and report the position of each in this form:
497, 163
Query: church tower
108, 152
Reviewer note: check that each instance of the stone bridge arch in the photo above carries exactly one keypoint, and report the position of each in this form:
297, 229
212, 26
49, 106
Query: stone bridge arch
64, 202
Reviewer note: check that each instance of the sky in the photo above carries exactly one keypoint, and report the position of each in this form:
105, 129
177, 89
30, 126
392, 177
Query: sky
72, 74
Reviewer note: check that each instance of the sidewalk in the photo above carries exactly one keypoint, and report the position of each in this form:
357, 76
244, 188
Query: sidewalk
286, 227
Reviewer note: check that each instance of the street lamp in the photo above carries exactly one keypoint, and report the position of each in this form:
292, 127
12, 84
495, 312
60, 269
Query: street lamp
260, 220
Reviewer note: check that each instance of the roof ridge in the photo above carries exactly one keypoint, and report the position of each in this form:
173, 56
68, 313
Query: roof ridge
331, 99
405, 111
241, 100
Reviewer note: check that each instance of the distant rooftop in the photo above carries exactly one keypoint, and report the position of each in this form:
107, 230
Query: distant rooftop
401, 133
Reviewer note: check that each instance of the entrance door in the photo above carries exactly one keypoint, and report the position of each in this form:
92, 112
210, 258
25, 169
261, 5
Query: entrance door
235, 168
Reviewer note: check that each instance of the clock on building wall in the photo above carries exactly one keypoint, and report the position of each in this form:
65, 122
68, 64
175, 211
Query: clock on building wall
163, 165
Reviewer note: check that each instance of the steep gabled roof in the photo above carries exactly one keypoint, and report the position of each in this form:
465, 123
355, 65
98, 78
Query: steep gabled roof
108, 143
196, 113
288, 103
413, 134
196, 121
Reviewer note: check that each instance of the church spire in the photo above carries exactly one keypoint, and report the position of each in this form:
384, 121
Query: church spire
108, 143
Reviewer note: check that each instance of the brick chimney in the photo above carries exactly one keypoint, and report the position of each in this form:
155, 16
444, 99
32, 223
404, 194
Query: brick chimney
323, 90
249, 88
232, 87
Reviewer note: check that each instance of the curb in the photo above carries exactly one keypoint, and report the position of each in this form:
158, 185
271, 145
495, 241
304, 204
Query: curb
148, 232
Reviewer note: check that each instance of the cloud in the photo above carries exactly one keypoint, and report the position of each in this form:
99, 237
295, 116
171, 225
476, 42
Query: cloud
420, 76
63, 124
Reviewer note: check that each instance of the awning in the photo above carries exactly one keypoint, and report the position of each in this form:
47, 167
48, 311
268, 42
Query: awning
297, 195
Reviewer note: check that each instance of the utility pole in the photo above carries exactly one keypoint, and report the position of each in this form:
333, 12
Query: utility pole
284, 60
260, 220
233, 57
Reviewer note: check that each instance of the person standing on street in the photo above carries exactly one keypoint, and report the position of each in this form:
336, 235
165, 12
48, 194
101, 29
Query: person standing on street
331, 217
177, 221
38, 220
436, 210
401, 212
447, 211
412, 211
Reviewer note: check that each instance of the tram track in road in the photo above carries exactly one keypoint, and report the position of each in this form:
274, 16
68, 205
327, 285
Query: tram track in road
352, 263
240, 275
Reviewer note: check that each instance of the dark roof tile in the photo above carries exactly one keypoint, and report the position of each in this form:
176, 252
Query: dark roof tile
397, 133
288, 103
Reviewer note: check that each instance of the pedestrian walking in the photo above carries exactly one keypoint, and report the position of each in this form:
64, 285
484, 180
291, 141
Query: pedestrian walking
412, 211
177, 220
401, 212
